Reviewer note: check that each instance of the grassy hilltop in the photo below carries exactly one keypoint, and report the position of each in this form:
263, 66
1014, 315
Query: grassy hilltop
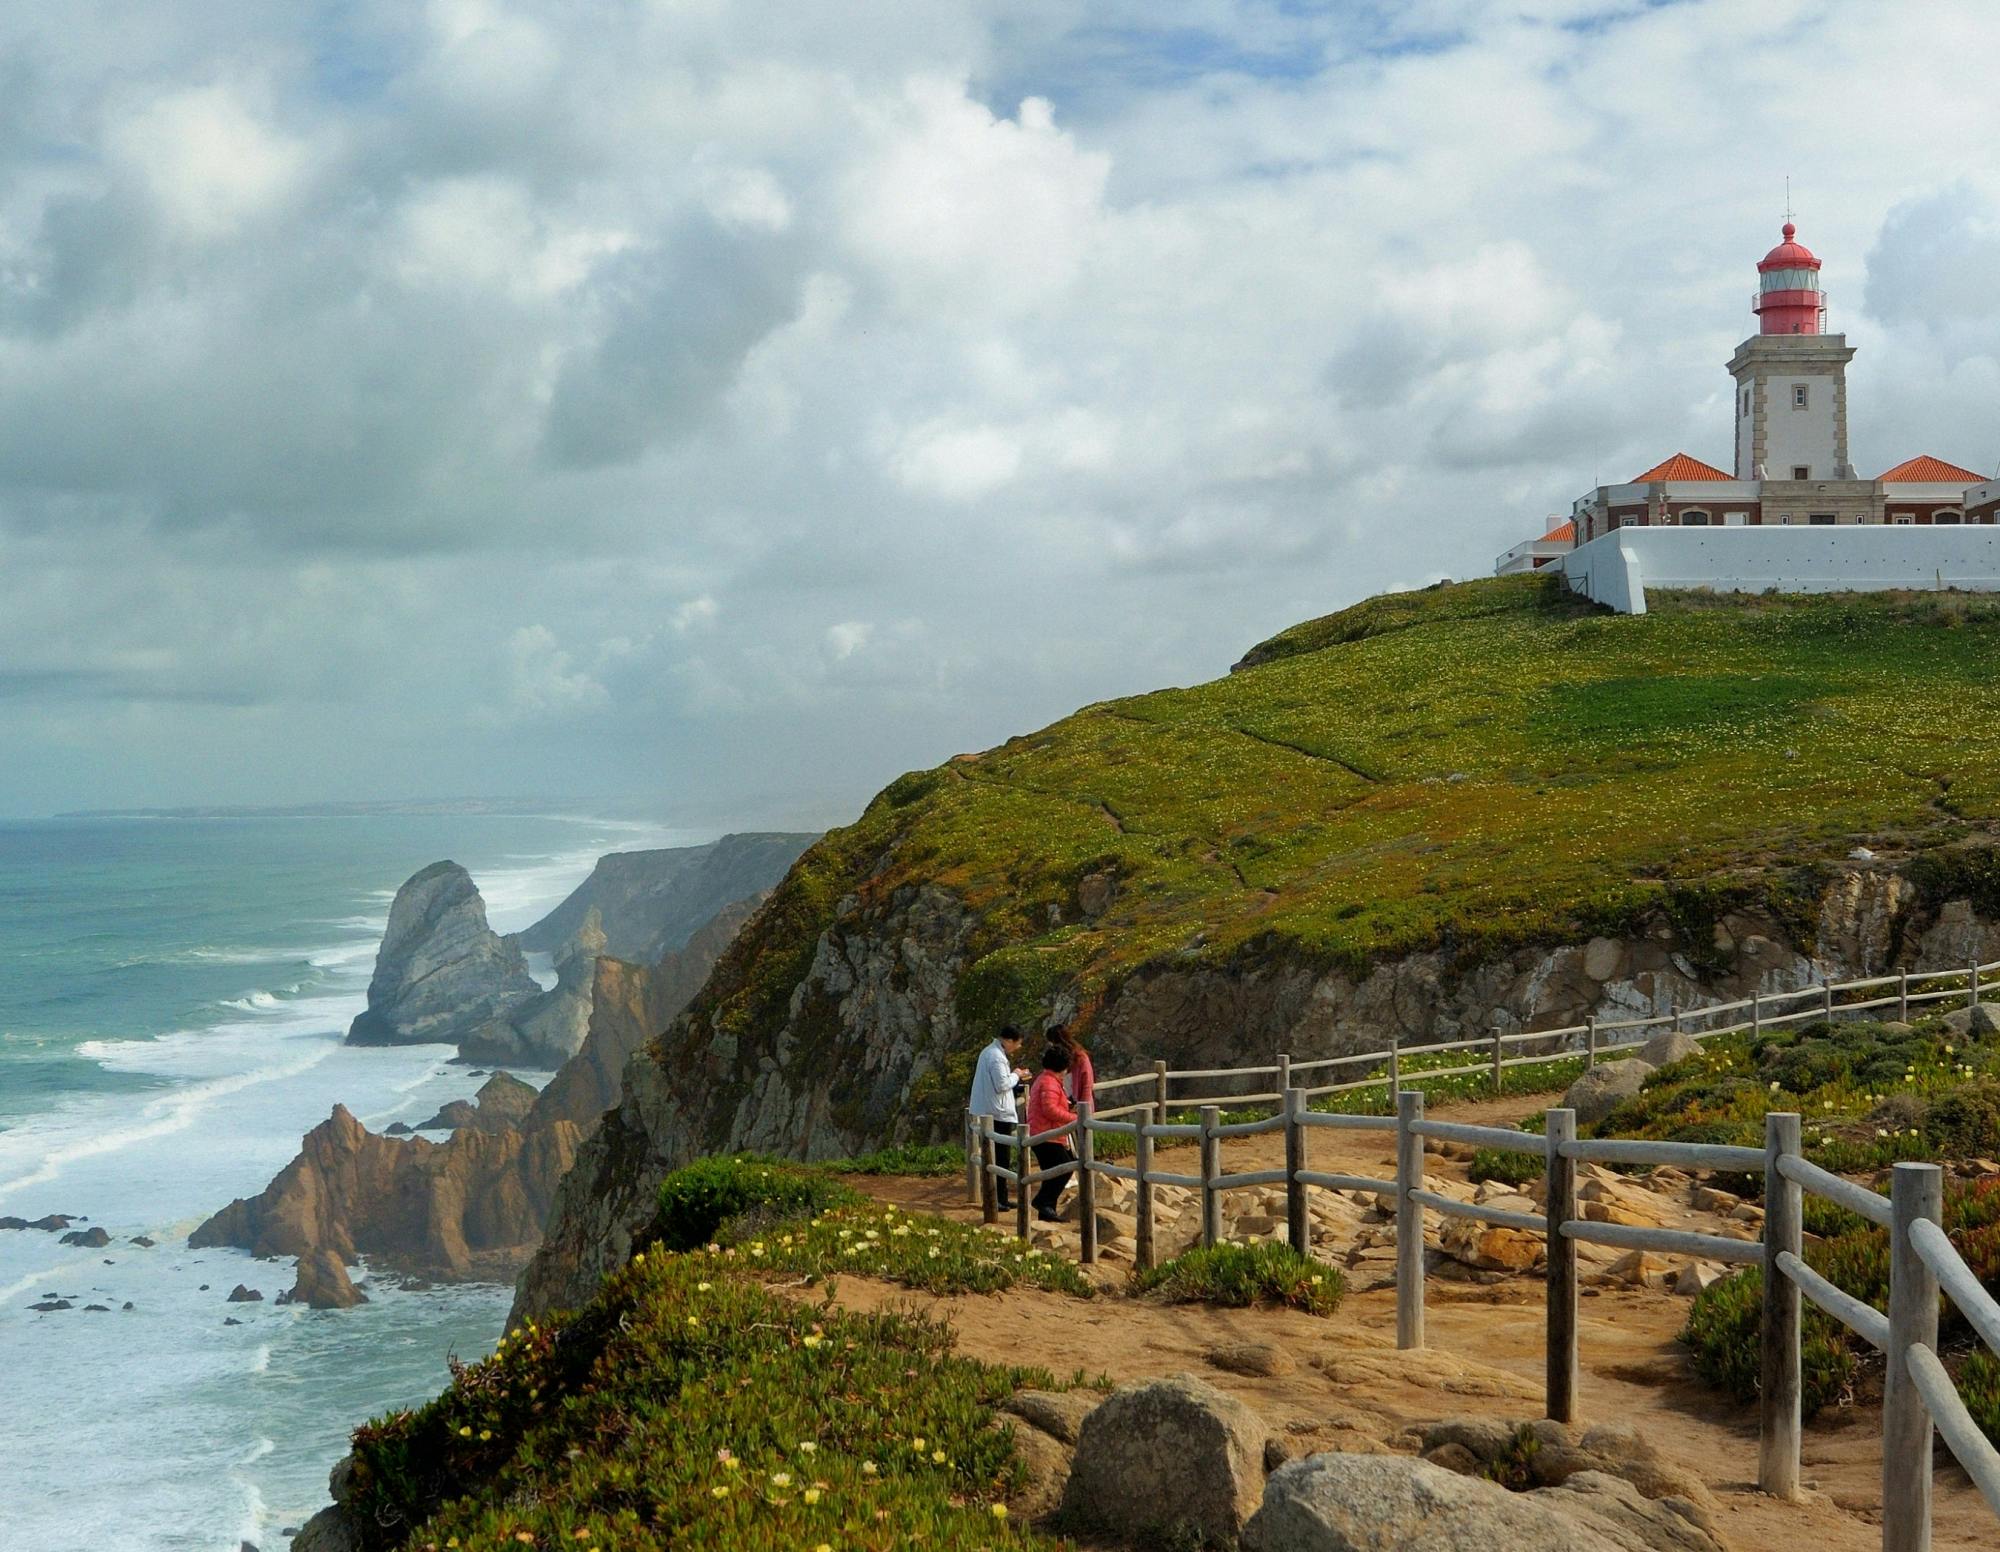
1479, 764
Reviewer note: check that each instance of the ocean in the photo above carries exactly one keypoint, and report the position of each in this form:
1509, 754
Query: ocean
173, 992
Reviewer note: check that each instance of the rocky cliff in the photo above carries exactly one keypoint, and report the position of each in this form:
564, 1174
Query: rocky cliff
441, 971
1474, 808
469, 1208
650, 903
473, 1207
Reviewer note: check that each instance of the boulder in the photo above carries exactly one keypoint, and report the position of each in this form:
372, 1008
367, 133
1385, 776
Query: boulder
1265, 1359
53, 1223
1057, 1413
1984, 1021
1599, 1091
13, 1223
1667, 1047
1488, 1246
327, 1531
143, 1242
242, 1295
323, 1283
47, 1305
1045, 1470
398, 1129
1603, 958
1375, 1503
1164, 1459
441, 971
89, 1239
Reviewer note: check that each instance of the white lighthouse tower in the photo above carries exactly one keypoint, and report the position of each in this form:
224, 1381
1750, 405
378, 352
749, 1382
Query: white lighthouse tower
1791, 376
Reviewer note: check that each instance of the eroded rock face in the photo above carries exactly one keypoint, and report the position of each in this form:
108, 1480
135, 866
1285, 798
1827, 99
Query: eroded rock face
441, 971
503, 1100
1173, 1460
469, 1208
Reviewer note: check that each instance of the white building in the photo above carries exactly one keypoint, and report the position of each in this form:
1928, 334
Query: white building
1792, 470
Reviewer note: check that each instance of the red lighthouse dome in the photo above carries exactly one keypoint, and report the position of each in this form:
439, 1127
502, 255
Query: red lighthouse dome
1789, 300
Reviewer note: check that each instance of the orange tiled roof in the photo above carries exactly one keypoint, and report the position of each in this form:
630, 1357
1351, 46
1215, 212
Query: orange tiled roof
1566, 532
1681, 467
1925, 469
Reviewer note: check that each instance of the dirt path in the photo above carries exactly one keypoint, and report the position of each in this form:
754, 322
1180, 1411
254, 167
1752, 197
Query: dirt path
1353, 1390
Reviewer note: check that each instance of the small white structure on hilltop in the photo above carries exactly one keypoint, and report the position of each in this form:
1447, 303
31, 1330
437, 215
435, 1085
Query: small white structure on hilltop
1784, 519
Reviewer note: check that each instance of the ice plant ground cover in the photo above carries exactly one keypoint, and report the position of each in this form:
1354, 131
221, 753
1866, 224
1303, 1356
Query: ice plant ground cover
1237, 1276
689, 1407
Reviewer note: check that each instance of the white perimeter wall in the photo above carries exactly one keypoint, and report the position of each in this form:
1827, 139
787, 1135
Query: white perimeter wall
1617, 569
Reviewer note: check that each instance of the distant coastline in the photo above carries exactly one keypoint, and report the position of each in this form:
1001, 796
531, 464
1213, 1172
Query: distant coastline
519, 807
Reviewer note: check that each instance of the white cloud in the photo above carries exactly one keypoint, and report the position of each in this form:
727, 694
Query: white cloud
542, 681
208, 160
847, 638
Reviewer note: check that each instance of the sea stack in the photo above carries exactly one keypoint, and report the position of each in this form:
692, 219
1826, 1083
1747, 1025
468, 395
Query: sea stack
441, 971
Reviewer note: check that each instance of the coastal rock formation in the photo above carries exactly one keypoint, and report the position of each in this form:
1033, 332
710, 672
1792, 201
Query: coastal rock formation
503, 1100
548, 1029
469, 1208
441, 971
323, 1283
473, 1206
650, 903
1171, 1460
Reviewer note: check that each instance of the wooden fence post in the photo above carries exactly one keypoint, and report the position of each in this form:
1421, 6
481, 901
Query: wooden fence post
1395, 1066
1160, 1093
1284, 1074
1903, 998
1021, 1173
1590, 1042
1778, 1394
972, 1172
1915, 1191
1826, 999
1756, 1014
1559, 1203
1086, 1184
1972, 979
1298, 1226
1142, 1209
989, 1186
1409, 1221
1498, 1051
1211, 1166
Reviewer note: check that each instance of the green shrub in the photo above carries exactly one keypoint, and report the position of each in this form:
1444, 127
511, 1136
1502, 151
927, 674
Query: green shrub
1241, 1275
1965, 1121
698, 1200
689, 1410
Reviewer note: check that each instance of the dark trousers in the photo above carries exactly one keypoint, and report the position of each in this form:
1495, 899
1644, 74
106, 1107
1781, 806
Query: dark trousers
1003, 1158
1047, 1156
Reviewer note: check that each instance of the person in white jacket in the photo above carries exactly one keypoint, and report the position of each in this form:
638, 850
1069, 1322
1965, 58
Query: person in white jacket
994, 1079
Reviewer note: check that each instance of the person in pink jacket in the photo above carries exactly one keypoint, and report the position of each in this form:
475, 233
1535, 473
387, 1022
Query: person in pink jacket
1049, 1108
1080, 1079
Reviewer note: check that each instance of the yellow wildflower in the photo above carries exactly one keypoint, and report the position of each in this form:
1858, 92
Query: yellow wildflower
999, 1511
810, 1495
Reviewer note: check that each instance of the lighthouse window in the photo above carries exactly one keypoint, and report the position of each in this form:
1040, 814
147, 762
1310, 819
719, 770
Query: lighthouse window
1799, 396
1801, 471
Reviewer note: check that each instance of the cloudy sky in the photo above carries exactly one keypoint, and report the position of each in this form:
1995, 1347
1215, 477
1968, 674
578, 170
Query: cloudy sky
736, 402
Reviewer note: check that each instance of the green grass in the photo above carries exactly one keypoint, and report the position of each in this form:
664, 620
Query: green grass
1238, 1276
928, 1160
690, 1409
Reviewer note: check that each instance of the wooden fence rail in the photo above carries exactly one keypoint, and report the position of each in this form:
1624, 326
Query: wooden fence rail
1919, 1396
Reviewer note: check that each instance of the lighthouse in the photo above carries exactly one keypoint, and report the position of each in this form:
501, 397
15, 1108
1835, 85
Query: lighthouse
1791, 378
1788, 299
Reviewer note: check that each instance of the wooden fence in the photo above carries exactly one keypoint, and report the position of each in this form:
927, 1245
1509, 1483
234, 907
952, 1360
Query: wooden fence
1919, 1395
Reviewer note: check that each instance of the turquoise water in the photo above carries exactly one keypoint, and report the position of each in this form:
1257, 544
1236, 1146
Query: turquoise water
172, 996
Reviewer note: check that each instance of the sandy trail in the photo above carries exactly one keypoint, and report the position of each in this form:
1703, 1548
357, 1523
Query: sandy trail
1485, 1356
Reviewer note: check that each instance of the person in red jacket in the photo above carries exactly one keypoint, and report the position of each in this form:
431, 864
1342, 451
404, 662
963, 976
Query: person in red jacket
1049, 1108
